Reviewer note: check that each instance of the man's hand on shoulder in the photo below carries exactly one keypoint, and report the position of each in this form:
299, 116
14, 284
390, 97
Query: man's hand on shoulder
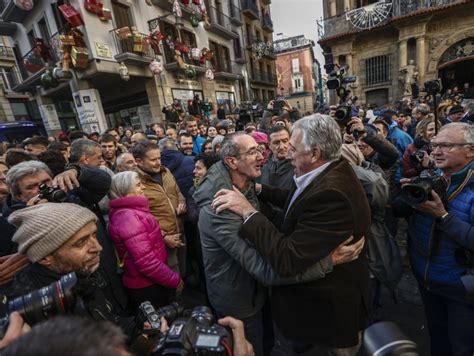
232, 200
347, 252
66, 180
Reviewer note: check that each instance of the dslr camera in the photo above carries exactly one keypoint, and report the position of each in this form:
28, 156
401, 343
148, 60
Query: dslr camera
41, 304
419, 189
53, 195
197, 334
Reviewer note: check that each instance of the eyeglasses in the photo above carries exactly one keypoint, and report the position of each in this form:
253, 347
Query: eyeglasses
253, 152
446, 146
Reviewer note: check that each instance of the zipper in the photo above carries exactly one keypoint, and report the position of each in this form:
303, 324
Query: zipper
171, 205
429, 255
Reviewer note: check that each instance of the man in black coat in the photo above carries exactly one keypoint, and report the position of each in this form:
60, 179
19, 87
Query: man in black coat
326, 316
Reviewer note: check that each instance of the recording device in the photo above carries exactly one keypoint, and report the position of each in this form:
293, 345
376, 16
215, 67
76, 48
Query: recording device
338, 81
278, 107
197, 335
41, 304
386, 339
147, 312
433, 87
53, 195
419, 189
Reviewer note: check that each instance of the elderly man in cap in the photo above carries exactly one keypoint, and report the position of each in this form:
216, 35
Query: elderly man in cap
59, 239
456, 114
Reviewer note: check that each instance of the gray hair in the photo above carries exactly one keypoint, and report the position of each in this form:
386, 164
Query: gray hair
320, 131
23, 169
217, 141
82, 147
121, 159
122, 184
230, 147
167, 144
467, 130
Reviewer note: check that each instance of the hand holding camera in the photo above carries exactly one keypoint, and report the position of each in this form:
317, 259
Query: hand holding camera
16, 328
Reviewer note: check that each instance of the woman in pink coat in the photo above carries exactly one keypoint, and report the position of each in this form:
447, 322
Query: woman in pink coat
139, 242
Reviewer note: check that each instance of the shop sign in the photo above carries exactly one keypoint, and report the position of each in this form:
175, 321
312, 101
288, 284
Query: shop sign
50, 117
103, 50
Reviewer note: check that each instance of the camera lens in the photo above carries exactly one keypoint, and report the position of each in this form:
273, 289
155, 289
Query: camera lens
386, 339
41, 304
416, 193
58, 196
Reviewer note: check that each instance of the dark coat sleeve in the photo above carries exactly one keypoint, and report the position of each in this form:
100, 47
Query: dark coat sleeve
94, 184
274, 196
388, 153
409, 167
324, 223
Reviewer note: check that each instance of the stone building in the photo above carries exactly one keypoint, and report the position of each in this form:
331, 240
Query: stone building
383, 42
115, 85
298, 72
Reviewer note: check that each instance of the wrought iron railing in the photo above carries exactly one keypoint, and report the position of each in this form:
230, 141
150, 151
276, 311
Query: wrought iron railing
263, 76
234, 10
339, 24
218, 17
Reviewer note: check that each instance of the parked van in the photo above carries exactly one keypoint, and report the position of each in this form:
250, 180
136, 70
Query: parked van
16, 132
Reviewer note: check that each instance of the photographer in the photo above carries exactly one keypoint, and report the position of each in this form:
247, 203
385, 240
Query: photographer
55, 250
417, 155
441, 244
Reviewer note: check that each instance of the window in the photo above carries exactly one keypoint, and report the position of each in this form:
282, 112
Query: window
221, 60
44, 30
295, 65
411, 44
237, 49
377, 70
31, 38
122, 15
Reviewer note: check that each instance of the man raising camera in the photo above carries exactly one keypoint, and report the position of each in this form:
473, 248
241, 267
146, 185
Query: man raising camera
441, 245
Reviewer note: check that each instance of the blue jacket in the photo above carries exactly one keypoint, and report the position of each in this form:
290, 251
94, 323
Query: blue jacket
197, 143
182, 168
432, 246
401, 140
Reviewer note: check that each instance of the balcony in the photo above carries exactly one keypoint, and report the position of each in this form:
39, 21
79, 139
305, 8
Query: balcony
227, 70
12, 13
267, 23
260, 47
235, 13
250, 8
266, 2
261, 77
10, 78
172, 65
128, 54
220, 24
7, 53
341, 24
167, 5
32, 65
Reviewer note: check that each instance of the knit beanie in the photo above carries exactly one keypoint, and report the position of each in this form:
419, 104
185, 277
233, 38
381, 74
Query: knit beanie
43, 228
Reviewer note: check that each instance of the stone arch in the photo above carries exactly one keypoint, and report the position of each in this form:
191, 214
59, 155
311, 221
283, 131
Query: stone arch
444, 45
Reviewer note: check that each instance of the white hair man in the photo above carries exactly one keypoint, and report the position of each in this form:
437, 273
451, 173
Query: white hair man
329, 205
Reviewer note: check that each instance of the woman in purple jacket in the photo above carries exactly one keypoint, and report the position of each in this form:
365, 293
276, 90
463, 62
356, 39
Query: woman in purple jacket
139, 242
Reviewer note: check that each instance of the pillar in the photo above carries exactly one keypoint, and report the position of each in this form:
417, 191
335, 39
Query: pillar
403, 53
155, 93
332, 8
350, 62
347, 5
421, 58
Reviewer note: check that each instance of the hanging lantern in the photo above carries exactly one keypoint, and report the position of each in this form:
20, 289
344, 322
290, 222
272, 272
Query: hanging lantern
185, 2
156, 68
25, 5
60, 75
209, 74
195, 19
123, 71
195, 54
47, 80
190, 72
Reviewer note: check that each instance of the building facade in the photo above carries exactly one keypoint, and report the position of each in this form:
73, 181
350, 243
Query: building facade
110, 82
298, 73
389, 44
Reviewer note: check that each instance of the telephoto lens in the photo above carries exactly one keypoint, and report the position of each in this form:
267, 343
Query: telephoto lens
386, 339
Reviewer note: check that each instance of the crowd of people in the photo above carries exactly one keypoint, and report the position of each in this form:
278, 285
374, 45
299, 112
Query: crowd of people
287, 228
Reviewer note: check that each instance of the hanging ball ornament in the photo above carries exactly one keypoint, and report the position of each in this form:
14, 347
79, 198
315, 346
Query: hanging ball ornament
195, 54
209, 74
190, 72
156, 67
26, 5
195, 19
48, 81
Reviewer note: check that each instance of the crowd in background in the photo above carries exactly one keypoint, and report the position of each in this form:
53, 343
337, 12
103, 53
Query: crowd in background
137, 193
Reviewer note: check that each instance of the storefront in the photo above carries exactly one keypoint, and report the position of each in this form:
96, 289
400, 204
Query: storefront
185, 96
226, 99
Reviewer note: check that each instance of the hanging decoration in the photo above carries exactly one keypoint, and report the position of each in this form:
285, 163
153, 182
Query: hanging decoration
154, 40
156, 68
71, 15
185, 2
79, 57
260, 49
26, 5
123, 33
207, 54
123, 71
140, 44
195, 19
177, 9
96, 7
33, 62
178, 56
209, 74
43, 50
61, 75
190, 72
48, 81
196, 55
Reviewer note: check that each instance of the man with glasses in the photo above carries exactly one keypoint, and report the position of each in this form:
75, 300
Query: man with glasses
441, 241
236, 272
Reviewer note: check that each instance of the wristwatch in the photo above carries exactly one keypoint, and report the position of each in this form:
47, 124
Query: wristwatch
442, 217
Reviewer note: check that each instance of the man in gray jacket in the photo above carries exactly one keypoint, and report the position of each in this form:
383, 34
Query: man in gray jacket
235, 272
